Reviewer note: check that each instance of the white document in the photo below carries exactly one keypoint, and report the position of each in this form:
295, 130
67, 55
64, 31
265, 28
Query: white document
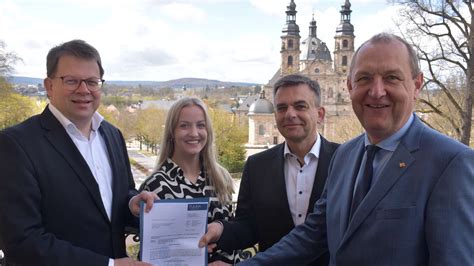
170, 232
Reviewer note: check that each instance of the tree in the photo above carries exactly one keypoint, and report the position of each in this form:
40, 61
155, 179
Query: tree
436, 110
441, 32
229, 139
109, 114
257, 89
14, 107
150, 127
344, 128
7, 60
127, 123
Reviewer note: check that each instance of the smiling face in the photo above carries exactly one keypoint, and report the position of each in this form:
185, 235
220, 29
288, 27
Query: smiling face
382, 88
190, 133
297, 115
80, 104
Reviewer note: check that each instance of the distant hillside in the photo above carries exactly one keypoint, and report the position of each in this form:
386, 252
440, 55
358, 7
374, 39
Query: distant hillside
175, 83
202, 83
25, 80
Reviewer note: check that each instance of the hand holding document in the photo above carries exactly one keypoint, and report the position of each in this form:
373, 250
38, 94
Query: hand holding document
170, 232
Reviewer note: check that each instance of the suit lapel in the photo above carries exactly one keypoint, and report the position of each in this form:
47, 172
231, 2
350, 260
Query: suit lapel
280, 184
321, 173
348, 182
107, 135
390, 174
395, 168
60, 140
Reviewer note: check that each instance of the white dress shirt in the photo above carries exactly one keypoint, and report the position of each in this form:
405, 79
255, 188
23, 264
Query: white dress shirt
387, 148
94, 151
299, 180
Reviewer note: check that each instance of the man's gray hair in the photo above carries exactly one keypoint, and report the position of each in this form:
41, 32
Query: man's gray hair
387, 38
296, 79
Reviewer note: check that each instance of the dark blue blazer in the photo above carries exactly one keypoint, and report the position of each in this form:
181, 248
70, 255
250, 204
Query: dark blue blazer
263, 215
419, 212
51, 209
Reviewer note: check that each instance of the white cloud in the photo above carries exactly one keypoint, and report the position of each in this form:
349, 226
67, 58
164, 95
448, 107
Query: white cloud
184, 12
355, 2
271, 7
159, 40
371, 24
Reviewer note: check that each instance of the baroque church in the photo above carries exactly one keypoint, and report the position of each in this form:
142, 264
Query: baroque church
311, 57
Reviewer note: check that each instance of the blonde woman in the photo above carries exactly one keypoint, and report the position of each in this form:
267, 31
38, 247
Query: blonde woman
187, 166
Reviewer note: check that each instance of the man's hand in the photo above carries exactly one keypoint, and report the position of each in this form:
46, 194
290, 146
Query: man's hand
130, 262
147, 197
214, 232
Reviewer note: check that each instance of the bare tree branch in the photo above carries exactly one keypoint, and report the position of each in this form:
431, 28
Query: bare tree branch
441, 32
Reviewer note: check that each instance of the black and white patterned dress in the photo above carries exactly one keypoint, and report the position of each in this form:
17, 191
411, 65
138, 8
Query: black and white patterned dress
169, 183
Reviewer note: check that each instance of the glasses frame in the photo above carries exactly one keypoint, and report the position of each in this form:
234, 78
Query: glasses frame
102, 81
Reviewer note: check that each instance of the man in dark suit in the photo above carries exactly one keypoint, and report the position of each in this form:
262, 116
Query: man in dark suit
417, 206
65, 183
280, 186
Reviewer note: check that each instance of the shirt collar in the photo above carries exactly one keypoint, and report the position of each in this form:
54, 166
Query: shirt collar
314, 149
68, 125
200, 180
391, 143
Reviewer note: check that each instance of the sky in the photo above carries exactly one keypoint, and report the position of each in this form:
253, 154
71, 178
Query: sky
160, 40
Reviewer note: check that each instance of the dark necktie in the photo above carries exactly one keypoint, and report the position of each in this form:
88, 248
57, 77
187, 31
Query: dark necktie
363, 186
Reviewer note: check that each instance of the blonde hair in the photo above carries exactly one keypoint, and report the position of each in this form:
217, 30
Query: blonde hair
217, 175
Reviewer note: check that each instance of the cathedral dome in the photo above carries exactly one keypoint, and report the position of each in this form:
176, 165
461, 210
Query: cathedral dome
261, 106
345, 28
313, 48
291, 29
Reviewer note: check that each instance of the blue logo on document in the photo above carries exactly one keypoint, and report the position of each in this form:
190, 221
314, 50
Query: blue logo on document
197, 207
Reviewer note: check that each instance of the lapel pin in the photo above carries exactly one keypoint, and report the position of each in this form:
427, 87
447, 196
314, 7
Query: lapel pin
402, 165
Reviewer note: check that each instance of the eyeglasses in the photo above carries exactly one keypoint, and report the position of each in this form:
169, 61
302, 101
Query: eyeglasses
72, 83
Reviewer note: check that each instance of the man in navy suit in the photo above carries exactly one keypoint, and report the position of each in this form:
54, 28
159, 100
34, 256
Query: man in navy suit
280, 185
65, 183
419, 206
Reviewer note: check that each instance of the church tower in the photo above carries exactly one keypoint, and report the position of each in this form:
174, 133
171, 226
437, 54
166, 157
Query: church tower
290, 42
344, 46
315, 58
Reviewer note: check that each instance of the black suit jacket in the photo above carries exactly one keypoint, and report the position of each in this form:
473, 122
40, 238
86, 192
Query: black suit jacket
263, 214
51, 209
